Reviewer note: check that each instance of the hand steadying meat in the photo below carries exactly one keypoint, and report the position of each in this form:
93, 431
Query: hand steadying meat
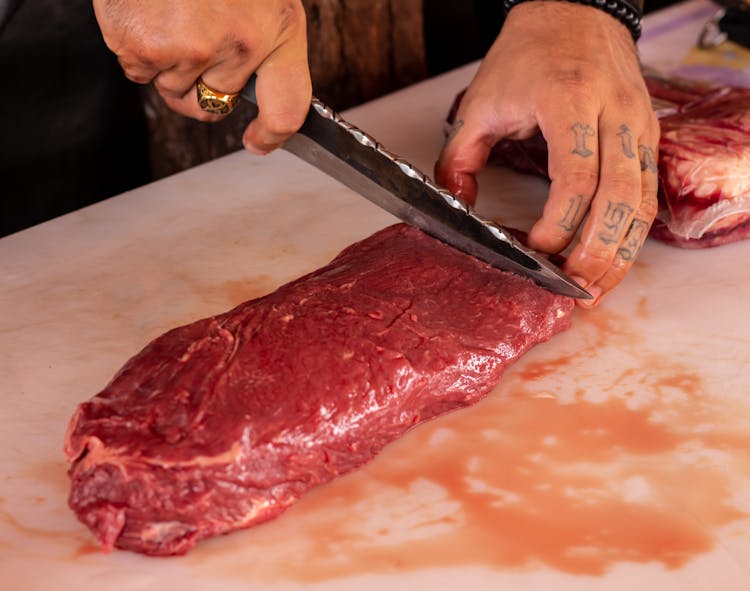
173, 42
572, 72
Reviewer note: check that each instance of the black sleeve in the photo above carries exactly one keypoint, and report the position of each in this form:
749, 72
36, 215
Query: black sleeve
7, 8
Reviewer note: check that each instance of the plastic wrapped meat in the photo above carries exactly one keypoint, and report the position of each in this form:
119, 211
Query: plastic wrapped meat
704, 161
704, 164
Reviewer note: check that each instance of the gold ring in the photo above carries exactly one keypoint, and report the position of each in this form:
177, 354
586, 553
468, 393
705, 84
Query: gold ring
213, 101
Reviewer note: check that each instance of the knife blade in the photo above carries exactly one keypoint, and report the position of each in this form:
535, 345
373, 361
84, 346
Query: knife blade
359, 161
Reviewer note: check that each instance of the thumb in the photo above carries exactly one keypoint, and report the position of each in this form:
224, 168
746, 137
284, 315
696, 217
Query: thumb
284, 92
462, 158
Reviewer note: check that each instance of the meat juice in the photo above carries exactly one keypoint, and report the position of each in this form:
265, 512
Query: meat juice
532, 477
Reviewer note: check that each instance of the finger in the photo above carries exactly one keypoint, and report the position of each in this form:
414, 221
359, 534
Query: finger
138, 72
225, 72
179, 80
284, 92
635, 237
142, 61
179, 92
574, 171
464, 155
613, 210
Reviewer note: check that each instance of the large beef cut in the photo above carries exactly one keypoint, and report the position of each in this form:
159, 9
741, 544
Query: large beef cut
225, 422
704, 161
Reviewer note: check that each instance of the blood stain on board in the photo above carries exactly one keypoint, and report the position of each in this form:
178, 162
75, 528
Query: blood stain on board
87, 548
520, 482
237, 291
39, 532
38, 518
51, 472
641, 470
642, 311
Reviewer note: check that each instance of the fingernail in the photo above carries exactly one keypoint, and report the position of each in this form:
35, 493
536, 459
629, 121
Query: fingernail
594, 290
253, 149
579, 280
463, 187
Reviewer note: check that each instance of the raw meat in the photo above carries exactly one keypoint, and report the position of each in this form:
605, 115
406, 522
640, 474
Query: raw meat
704, 161
223, 423
704, 165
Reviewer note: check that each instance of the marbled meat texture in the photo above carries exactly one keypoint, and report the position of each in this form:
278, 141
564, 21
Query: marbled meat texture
224, 423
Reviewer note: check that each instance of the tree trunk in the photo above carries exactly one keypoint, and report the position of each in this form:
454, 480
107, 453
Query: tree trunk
358, 50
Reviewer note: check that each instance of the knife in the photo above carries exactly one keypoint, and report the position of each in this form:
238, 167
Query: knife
357, 160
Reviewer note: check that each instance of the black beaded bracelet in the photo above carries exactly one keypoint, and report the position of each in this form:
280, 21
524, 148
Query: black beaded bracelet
623, 10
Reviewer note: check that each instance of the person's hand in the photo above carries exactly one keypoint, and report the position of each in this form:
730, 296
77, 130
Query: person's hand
173, 42
572, 72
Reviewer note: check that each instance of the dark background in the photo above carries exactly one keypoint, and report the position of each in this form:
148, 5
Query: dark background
71, 126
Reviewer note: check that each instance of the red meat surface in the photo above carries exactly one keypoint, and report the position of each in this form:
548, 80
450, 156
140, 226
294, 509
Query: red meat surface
223, 423
704, 165
704, 161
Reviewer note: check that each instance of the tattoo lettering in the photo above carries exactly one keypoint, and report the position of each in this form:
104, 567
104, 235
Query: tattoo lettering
614, 222
568, 222
581, 132
626, 140
648, 161
634, 239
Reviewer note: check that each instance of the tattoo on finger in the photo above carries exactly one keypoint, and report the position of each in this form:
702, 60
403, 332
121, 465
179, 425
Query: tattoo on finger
581, 131
626, 141
634, 239
569, 221
615, 218
648, 161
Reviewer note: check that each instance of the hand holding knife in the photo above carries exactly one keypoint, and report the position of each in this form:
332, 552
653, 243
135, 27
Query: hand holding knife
357, 160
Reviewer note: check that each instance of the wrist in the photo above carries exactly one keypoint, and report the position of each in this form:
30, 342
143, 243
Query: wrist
628, 12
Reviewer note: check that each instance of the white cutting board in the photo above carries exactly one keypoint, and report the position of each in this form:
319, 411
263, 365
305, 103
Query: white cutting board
617, 455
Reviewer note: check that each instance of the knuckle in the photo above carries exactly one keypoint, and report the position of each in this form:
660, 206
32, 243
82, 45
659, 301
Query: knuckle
117, 43
581, 181
596, 261
244, 41
198, 55
625, 99
555, 241
166, 88
137, 77
241, 48
597, 257
546, 236
573, 77
649, 207
615, 276
624, 185
291, 14
285, 122
619, 268
149, 55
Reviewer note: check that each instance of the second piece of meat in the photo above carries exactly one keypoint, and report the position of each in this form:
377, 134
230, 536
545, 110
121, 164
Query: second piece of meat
223, 423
